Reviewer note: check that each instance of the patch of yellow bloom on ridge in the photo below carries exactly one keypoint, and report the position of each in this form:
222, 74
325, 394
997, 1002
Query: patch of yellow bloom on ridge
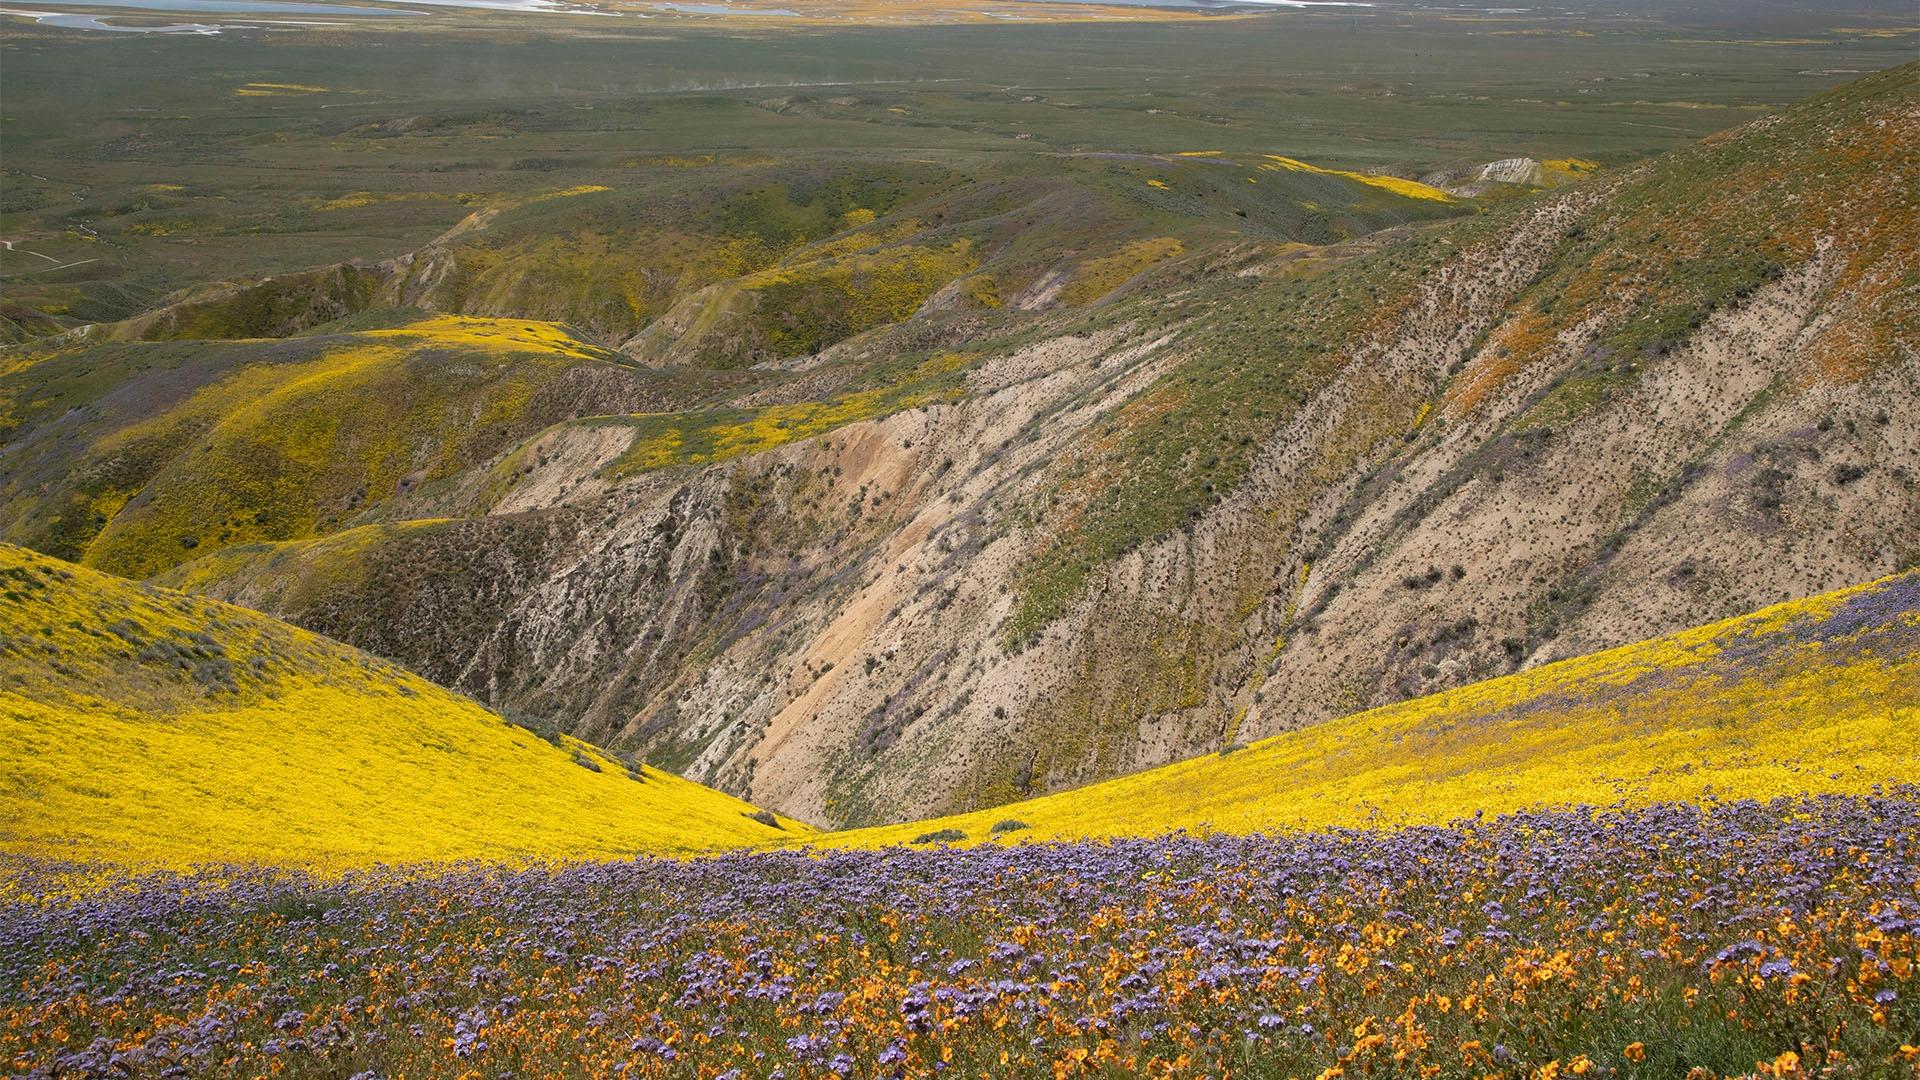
1568, 168
670, 439
354, 200
1412, 189
568, 193
298, 569
1096, 278
269, 89
1877, 31
1670, 719
177, 730
859, 234
495, 335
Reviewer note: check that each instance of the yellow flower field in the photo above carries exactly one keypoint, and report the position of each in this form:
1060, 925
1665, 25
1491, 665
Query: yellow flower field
141, 725
1763, 705
1411, 189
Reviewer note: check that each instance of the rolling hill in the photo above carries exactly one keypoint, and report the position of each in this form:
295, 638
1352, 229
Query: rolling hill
136, 456
306, 404
149, 727
1263, 485
1807, 697
874, 491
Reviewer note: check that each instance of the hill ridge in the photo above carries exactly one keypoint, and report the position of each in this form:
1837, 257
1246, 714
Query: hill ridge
1811, 696
147, 726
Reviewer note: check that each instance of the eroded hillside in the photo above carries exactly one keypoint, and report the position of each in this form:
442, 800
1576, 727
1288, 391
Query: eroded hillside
925, 499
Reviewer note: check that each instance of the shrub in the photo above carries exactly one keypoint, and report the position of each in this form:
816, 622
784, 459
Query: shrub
1009, 825
539, 726
300, 906
940, 836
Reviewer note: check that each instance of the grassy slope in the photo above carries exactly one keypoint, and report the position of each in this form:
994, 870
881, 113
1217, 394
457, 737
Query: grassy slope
1813, 695
729, 263
134, 457
1696, 231
1702, 228
613, 259
140, 724
1250, 360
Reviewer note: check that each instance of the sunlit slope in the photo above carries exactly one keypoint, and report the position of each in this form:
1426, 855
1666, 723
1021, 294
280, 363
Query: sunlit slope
134, 457
1816, 695
144, 725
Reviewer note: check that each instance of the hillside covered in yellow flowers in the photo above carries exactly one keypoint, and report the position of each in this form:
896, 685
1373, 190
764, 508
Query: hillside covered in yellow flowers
130, 713
1808, 697
142, 725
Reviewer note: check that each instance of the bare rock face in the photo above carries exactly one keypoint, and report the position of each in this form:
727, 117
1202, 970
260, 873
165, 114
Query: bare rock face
1634, 406
1515, 170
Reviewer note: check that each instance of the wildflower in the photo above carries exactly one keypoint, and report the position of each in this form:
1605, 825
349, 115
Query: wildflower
827, 963
808, 1047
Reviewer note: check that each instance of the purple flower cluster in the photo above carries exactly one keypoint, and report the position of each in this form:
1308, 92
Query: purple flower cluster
1631, 942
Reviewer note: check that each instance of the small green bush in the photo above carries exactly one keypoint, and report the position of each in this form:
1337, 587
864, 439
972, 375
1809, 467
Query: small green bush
940, 836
